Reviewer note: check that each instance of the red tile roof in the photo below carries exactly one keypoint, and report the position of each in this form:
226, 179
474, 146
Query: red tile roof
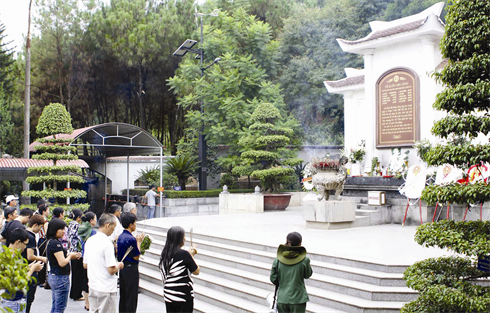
349, 81
26, 163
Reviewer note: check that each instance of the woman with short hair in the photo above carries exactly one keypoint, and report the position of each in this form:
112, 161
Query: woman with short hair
176, 266
59, 262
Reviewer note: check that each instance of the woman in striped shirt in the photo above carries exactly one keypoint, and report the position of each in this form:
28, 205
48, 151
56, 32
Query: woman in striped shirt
176, 266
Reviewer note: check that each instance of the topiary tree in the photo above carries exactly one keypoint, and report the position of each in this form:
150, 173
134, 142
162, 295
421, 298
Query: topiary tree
450, 284
55, 120
266, 154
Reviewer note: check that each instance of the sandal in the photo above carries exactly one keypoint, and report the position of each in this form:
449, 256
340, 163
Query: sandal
86, 308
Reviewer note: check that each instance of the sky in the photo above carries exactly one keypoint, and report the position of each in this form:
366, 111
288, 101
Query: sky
14, 14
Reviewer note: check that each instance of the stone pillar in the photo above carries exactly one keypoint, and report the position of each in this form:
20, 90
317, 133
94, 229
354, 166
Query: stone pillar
351, 115
427, 85
369, 105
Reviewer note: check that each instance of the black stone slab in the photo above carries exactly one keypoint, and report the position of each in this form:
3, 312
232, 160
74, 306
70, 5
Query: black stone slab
359, 186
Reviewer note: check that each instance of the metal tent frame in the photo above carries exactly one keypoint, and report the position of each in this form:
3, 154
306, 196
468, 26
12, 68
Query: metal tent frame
120, 139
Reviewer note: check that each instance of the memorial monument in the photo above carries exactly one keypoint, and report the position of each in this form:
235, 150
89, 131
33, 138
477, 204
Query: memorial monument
389, 102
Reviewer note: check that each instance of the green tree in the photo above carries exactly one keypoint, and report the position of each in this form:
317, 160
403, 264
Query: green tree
151, 176
55, 120
451, 284
58, 50
182, 166
311, 55
6, 62
248, 63
266, 147
6, 125
401, 8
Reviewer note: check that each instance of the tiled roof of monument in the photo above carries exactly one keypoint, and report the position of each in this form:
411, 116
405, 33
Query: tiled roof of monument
349, 81
27, 163
442, 65
388, 32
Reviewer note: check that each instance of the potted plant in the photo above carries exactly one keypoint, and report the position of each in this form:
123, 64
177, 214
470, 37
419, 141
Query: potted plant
265, 149
356, 156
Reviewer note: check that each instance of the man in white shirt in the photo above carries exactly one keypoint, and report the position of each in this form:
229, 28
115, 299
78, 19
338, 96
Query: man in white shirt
101, 265
150, 195
115, 210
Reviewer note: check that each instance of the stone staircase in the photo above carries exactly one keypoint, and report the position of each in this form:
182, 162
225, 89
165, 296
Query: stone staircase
235, 278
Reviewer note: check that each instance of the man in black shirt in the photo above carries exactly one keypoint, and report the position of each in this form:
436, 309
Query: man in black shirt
19, 222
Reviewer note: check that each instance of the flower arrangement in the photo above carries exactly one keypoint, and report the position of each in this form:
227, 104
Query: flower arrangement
357, 155
374, 165
398, 162
145, 244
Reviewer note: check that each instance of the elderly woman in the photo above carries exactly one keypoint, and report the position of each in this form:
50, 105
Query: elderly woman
130, 207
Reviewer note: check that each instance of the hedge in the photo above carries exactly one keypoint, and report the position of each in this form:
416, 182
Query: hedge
187, 193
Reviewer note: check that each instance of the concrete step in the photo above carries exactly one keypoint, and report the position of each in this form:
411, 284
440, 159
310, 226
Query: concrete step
258, 252
156, 292
324, 268
261, 280
235, 277
223, 295
366, 212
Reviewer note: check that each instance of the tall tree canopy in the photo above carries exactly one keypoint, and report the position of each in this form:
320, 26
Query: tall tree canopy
230, 90
6, 62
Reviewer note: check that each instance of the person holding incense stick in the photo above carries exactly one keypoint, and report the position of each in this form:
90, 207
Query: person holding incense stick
128, 252
102, 266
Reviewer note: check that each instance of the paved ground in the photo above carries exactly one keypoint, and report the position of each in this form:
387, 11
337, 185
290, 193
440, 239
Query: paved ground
384, 244
42, 304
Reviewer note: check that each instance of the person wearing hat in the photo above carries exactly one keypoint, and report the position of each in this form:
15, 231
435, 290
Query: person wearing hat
11, 201
289, 271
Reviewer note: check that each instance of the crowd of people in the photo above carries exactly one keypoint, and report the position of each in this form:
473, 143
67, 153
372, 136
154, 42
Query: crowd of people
97, 259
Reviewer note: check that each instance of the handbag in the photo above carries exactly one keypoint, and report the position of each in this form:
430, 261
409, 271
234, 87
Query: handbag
46, 284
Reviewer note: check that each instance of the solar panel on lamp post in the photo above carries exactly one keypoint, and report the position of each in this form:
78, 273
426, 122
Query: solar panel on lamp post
181, 51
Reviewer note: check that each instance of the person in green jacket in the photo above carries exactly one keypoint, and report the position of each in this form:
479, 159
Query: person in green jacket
289, 271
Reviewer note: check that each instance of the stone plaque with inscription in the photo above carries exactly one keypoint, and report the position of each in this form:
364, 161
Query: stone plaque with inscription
397, 109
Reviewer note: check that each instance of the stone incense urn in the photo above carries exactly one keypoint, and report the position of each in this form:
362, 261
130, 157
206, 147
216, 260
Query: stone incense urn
329, 179
334, 214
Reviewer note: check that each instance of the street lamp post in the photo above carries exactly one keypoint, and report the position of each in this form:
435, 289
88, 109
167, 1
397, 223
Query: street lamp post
181, 51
